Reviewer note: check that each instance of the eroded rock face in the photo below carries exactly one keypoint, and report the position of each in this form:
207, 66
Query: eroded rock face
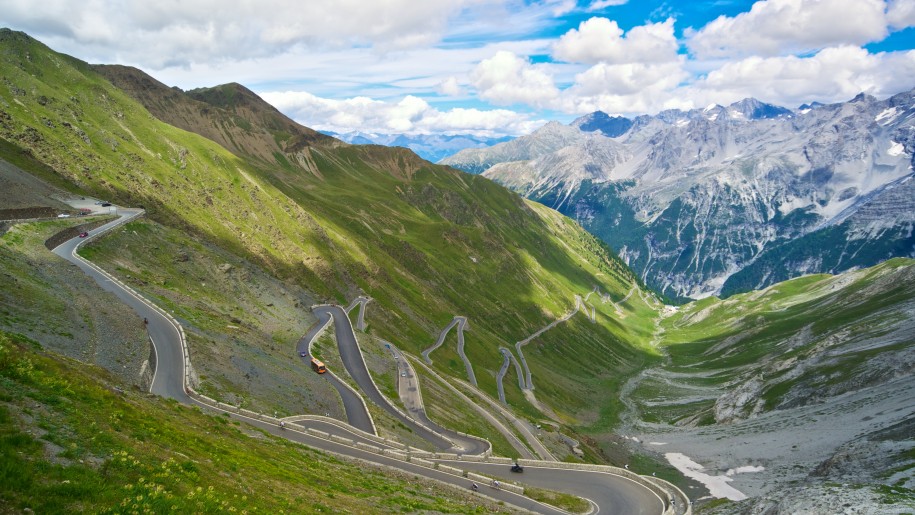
741, 402
727, 199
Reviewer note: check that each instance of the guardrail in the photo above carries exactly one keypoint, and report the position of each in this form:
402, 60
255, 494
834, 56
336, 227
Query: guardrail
488, 481
507, 433
382, 395
665, 490
318, 333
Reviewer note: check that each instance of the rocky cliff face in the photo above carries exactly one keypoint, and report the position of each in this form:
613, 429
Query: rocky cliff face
725, 199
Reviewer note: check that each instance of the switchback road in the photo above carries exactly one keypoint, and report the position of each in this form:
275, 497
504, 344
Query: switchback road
611, 493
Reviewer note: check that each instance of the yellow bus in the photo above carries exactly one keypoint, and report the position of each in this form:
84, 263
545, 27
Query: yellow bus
318, 366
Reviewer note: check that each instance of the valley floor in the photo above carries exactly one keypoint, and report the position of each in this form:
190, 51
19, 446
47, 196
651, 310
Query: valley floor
780, 448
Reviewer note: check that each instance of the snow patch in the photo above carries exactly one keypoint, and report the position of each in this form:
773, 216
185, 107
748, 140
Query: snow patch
717, 485
745, 470
896, 149
681, 123
657, 443
887, 114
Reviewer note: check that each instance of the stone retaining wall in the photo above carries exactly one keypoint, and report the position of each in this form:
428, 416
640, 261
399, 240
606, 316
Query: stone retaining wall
72, 232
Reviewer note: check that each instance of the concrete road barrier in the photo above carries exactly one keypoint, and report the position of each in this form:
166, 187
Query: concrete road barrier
367, 447
421, 462
397, 455
450, 470
340, 439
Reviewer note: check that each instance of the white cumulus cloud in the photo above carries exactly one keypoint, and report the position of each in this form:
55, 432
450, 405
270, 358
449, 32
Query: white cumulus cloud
506, 79
831, 75
179, 33
602, 40
901, 14
624, 88
450, 87
778, 27
410, 115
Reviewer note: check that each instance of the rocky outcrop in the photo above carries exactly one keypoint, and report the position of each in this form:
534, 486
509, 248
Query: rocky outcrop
727, 199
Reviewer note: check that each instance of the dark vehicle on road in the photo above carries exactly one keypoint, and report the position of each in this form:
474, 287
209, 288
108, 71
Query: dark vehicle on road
517, 468
106, 204
83, 234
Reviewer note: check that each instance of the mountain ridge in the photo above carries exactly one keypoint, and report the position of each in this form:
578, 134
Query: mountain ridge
238, 246
338, 220
431, 147
704, 192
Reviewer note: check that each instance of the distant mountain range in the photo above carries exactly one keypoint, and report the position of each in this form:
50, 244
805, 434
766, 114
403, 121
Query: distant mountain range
431, 147
727, 199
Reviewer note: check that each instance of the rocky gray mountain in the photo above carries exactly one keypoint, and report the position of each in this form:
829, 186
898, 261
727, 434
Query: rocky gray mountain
551, 137
610, 126
431, 147
729, 198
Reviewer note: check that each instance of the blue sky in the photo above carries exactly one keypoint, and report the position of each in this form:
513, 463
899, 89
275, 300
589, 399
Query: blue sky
493, 67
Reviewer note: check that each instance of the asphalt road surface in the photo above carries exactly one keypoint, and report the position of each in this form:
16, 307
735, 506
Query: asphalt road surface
168, 380
614, 495
355, 365
611, 494
357, 415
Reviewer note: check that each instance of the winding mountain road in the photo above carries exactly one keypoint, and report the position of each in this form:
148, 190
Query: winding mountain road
507, 359
460, 322
410, 394
529, 384
357, 413
610, 493
168, 379
352, 358
360, 301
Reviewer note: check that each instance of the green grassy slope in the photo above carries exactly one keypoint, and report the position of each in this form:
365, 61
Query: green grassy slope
796, 343
426, 242
230, 115
47, 299
70, 441
241, 324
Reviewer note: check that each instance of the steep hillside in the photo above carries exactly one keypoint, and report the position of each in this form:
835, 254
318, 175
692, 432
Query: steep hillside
425, 242
242, 123
24, 196
71, 440
805, 384
712, 200
44, 299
